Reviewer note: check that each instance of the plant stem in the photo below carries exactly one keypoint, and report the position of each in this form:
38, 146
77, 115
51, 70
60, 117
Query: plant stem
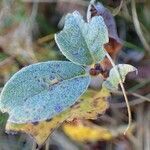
124, 94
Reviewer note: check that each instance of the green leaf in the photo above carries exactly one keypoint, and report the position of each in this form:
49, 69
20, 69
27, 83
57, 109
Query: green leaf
40, 91
112, 81
81, 42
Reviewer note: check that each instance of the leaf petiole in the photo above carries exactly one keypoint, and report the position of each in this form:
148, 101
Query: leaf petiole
124, 93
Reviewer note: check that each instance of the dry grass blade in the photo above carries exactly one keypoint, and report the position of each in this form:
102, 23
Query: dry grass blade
131, 103
117, 10
134, 94
137, 26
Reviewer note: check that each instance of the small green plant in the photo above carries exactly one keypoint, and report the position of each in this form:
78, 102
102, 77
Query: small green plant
41, 91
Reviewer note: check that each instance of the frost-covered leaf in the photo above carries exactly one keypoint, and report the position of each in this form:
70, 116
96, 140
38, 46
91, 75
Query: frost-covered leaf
40, 91
113, 80
97, 9
81, 42
115, 44
88, 106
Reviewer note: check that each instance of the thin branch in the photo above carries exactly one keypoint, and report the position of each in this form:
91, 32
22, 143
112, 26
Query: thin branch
137, 26
134, 94
140, 85
6, 61
33, 14
117, 10
124, 94
140, 96
125, 14
131, 103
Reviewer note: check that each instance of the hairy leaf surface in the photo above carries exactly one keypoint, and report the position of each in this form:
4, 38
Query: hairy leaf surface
81, 42
88, 106
115, 44
41, 91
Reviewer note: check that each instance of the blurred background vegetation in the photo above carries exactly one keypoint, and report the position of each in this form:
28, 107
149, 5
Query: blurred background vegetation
27, 30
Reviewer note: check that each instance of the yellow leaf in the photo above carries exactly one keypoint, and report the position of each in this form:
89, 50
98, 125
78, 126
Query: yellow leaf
86, 131
39, 131
82, 132
92, 104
